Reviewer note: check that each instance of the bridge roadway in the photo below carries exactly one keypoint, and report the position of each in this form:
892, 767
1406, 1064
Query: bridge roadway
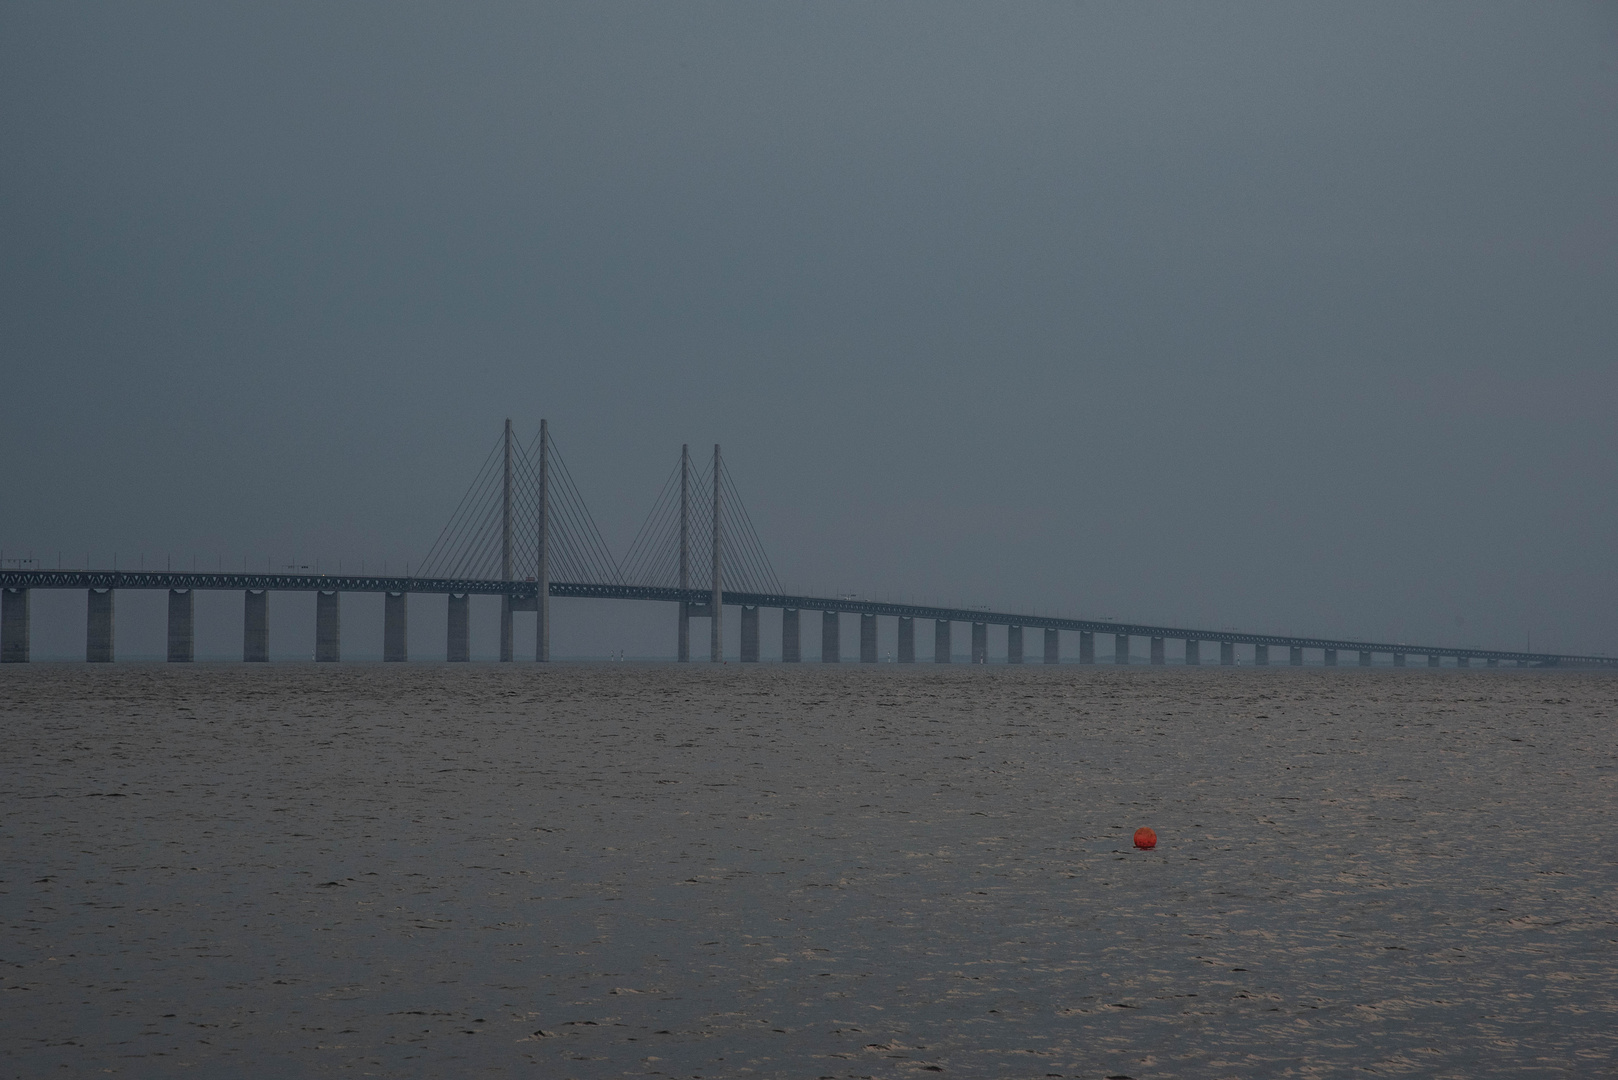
523, 597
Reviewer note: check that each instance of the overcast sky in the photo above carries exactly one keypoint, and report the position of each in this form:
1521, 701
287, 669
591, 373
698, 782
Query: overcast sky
1285, 316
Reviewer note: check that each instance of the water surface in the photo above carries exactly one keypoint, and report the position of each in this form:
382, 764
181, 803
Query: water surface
599, 871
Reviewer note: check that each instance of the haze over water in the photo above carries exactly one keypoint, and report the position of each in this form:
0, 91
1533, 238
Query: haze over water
598, 871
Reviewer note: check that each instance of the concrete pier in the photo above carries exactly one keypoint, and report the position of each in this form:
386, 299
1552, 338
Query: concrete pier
941, 646
1053, 639
1120, 648
980, 643
1159, 656
1087, 647
867, 639
458, 649
14, 645
1261, 656
1463, 661
1295, 656
749, 634
682, 649
395, 627
506, 650
1328, 657
1433, 660
1493, 662
1365, 658
329, 627
831, 639
1398, 659
1227, 653
98, 633
791, 653
182, 626
907, 640
256, 626
1013, 644
1193, 652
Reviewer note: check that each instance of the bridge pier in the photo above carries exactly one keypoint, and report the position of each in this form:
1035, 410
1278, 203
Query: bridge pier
182, 626
1261, 656
1120, 648
907, 640
1013, 644
505, 629
1087, 647
1328, 657
1365, 658
1295, 656
329, 627
1227, 653
791, 652
1434, 660
1053, 646
749, 634
941, 646
682, 649
395, 627
1193, 652
1398, 659
14, 645
1493, 662
867, 639
1158, 654
831, 642
458, 649
703, 610
98, 632
980, 643
256, 626
1463, 661
542, 623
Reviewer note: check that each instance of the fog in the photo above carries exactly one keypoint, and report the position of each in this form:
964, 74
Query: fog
1285, 317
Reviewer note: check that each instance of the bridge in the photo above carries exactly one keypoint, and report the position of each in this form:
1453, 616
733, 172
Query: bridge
523, 533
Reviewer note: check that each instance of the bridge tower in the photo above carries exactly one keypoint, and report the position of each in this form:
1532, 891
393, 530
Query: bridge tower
542, 543
684, 653
716, 605
505, 549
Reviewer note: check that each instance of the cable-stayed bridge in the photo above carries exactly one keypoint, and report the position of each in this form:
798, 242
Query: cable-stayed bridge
523, 532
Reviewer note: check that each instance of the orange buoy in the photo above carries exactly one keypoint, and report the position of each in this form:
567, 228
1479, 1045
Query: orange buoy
1145, 838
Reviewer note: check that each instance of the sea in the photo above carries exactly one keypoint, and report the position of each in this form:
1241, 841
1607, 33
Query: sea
609, 870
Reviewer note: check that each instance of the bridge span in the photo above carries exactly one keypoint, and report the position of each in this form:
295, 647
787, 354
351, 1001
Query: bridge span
522, 596
523, 533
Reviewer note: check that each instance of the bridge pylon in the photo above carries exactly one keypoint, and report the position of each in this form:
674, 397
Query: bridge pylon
671, 545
